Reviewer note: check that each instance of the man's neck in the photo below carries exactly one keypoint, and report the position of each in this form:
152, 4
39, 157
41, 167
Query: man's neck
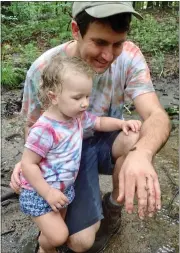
72, 49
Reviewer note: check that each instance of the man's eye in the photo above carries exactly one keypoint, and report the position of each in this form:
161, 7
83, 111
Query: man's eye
100, 43
118, 44
76, 98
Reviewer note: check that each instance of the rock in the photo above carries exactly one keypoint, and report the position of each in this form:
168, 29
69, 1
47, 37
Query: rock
28, 240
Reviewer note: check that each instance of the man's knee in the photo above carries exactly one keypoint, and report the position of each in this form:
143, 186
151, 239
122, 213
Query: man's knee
83, 240
123, 143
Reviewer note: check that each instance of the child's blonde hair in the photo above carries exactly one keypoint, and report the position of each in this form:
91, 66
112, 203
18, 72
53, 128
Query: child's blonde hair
53, 73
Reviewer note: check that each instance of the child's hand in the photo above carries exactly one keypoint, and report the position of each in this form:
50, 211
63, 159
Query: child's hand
133, 125
56, 199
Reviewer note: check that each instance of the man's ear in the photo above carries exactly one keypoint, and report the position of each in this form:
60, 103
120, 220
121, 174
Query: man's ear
75, 30
52, 97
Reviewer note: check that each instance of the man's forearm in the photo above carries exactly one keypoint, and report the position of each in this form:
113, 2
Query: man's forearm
154, 132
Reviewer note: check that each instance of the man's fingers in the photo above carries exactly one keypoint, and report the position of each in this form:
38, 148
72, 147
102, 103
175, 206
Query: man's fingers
157, 193
142, 197
16, 173
151, 196
16, 189
129, 193
120, 198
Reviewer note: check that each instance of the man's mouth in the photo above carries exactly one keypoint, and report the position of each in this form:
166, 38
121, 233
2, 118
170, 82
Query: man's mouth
102, 63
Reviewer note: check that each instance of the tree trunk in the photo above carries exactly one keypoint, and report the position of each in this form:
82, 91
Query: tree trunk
150, 5
164, 5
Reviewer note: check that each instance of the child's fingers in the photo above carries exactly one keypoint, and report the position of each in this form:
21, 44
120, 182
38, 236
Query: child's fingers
54, 208
62, 202
58, 206
132, 126
138, 125
64, 198
125, 130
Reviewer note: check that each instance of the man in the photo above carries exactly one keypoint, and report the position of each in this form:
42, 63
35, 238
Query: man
100, 30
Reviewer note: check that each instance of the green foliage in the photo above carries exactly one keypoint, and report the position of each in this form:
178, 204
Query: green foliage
54, 42
30, 28
29, 54
11, 77
153, 36
157, 64
173, 110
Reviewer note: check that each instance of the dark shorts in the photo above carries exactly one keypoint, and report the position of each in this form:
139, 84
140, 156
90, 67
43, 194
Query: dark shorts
86, 208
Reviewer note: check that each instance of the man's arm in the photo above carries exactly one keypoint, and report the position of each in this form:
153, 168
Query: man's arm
137, 174
156, 127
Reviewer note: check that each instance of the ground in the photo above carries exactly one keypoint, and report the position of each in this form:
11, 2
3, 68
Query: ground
153, 235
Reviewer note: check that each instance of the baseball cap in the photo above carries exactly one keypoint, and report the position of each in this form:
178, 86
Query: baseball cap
104, 9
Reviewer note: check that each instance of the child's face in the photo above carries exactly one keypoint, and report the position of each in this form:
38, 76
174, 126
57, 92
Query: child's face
74, 98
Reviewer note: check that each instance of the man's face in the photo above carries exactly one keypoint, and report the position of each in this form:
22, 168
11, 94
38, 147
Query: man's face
100, 46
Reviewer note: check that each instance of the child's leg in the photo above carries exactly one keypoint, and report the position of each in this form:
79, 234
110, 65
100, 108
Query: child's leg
54, 231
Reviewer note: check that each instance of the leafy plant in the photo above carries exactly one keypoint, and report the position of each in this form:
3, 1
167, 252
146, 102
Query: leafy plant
153, 36
11, 77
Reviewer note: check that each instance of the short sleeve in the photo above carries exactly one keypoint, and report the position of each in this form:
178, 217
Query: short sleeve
138, 80
31, 106
40, 140
88, 120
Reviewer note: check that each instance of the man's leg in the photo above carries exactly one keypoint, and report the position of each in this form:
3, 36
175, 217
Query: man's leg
119, 145
83, 240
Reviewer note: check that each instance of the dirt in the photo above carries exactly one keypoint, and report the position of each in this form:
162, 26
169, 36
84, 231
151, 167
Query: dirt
153, 235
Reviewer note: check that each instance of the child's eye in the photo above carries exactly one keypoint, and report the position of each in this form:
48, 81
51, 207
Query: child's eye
77, 98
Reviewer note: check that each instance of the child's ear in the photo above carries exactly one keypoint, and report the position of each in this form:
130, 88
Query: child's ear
52, 97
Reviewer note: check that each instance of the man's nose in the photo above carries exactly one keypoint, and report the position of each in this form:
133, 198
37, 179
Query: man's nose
107, 54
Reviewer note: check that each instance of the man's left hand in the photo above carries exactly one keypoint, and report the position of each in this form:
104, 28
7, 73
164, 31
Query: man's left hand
137, 176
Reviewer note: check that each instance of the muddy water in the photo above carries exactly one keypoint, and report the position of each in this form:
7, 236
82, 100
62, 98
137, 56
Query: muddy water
153, 235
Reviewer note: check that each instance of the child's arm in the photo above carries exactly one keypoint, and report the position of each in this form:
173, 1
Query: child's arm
32, 173
107, 124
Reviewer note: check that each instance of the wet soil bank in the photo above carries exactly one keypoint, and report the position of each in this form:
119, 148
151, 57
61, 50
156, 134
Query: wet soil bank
153, 235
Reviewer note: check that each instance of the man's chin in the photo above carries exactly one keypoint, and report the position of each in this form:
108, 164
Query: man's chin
100, 70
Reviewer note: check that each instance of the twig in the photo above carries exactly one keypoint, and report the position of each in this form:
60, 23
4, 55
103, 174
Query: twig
161, 73
127, 109
171, 201
169, 176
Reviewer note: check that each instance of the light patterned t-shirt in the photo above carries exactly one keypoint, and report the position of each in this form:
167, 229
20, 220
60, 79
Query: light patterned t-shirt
59, 143
127, 77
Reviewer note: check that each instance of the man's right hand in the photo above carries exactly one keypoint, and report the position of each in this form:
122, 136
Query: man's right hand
15, 183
